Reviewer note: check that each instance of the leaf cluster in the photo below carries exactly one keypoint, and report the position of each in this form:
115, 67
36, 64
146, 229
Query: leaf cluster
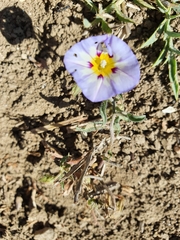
165, 32
112, 112
114, 11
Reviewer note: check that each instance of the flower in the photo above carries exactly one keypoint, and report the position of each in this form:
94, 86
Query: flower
102, 66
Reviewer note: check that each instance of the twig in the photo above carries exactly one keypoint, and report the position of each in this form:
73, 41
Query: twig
53, 126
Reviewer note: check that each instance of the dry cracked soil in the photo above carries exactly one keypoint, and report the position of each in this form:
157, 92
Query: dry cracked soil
35, 90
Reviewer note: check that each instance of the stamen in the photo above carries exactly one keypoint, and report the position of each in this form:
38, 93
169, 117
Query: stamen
103, 63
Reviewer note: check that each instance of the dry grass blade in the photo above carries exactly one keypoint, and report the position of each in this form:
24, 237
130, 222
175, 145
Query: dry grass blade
111, 195
50, 149
101, 189
73, 169
126, 190
68, 188
79, 183
33, 194
53, 126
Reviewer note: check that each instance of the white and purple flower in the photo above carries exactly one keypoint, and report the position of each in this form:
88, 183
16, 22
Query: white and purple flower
102, 66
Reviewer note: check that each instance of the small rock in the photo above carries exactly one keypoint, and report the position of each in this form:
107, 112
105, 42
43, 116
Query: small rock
24, 56
139, 139
157, 145
19, 201
45, 234
177, 149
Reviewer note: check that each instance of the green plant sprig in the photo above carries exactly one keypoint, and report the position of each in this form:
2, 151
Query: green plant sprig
113, 11
169, 53
112, 112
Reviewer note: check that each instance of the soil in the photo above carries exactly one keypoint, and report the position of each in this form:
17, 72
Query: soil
36, 91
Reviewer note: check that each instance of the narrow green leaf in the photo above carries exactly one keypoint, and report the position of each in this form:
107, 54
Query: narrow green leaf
112, 6
174, 50
153, 38
161, 6
116, 125
47, 179
105, 27
75, 90
91, 5
175, 16
134, 118
176, 8
142, 3
162, 54
86, 23
173, 77
96, 21
173, 34
123, 116
103, 111
122, 17
90, 127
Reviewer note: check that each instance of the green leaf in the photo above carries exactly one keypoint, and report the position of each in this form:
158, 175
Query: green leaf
172, 65
153, 38
119, 97
105, 27
122, 17
112, 6
116, 125
173, 34
162, 54
142, 3
96, 21
91, 5
176, 8
75, 90
103, 111
134, 118
90, 127
175, 16
174, 50
86, 23
161, 6
47, 179
122, 115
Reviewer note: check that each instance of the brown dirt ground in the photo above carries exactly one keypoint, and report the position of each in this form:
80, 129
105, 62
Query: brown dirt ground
32, 96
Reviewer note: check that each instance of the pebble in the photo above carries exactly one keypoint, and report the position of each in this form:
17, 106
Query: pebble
46, 233
24, 56
140, 139
19, 201
177, 149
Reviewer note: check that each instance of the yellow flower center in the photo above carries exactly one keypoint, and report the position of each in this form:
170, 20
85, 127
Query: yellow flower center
103, 64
